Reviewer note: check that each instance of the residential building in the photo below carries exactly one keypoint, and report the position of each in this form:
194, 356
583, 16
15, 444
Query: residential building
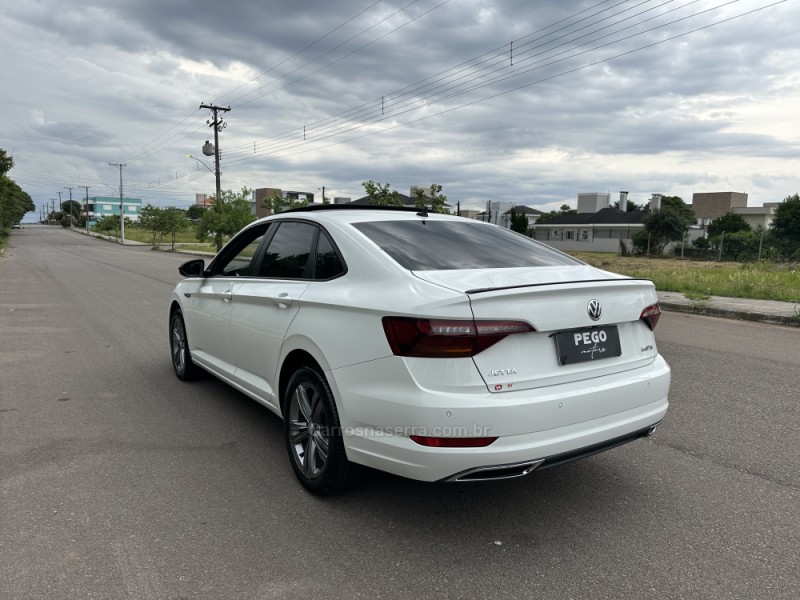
593, 201
101, 206
601, 231
708, 206
758, 216
604, 230
203, 200
531, 213
472, 213
260, 194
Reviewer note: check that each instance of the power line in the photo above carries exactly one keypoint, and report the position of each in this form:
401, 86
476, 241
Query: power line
296, 54
526, 85
448, 91
410, 92
169, 140
488, 69
333, 62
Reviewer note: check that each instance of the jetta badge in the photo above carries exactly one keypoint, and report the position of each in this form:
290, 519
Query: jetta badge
594, 309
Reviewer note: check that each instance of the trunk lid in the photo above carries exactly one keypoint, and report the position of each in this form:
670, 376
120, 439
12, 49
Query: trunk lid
556, 300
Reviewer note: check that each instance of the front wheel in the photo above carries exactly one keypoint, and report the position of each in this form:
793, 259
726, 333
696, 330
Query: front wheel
313, 435
182, 361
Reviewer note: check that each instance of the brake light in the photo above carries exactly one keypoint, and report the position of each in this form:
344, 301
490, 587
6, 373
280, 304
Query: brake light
443, 442
650, 315
445, 338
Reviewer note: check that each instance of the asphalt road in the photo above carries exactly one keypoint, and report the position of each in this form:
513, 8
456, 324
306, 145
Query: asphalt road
119, 481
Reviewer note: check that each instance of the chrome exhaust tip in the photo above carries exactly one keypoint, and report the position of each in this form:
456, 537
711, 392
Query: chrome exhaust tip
652, 429
496, 472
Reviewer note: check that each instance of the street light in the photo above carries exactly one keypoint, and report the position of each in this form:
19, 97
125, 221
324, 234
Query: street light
201, 162
210, 170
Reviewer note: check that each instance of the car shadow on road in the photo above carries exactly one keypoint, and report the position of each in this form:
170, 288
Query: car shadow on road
572, 500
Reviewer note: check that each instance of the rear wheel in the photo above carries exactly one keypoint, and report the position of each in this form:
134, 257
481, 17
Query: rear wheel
181, 357
313, 435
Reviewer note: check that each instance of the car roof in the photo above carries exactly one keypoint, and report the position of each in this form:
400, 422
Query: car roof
349, 213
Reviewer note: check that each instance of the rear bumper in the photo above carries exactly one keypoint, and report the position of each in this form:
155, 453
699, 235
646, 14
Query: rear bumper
384, 407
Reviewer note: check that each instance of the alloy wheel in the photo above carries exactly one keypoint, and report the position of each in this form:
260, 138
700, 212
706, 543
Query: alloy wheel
309, 435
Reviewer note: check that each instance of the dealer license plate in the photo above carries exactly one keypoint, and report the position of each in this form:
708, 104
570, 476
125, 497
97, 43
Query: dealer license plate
587, 345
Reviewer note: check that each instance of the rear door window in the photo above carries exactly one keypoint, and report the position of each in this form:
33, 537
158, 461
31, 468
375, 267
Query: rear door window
287, 255
328, 264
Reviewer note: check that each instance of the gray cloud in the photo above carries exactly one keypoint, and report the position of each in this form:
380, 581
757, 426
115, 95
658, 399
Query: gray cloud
116, 80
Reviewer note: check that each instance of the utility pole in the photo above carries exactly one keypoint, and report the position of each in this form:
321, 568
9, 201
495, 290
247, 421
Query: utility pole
59, 201
218, 126
121, 206
86, 207
70, 205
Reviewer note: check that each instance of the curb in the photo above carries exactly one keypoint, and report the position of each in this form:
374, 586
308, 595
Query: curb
709, 311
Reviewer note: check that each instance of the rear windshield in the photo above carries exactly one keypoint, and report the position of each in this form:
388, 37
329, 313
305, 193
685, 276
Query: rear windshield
428, 245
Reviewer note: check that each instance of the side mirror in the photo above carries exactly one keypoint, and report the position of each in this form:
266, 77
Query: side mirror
193, 268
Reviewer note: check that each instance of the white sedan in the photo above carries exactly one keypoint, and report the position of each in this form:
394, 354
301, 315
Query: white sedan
430, 346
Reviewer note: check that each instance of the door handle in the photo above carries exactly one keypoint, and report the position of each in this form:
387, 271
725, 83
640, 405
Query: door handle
282, 300
227, 295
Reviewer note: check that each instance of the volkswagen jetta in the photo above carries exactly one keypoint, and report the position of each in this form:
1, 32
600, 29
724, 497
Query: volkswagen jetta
430, 346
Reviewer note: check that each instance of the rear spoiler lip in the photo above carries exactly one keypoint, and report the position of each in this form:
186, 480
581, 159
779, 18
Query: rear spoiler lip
527, 285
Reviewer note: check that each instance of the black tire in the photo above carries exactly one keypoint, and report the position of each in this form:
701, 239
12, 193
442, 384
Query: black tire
314, 437
182, 361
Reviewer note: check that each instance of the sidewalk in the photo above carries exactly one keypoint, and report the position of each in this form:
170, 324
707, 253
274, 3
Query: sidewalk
765, 311
109, 238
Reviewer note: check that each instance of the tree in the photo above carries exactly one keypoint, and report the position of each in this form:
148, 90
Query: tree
14, 202
226, 217
677, 205
381, 194
277, 203
786, 225
195, 211
436, 200
561, 212
739, 245
668, 224
660, 228
519, 222
171, 221
72, 208
728, 223
6, 162
107, 225
150, 220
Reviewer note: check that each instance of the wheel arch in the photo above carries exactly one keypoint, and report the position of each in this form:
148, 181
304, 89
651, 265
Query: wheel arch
296, 359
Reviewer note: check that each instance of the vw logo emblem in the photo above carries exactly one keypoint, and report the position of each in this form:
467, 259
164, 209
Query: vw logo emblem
594, 309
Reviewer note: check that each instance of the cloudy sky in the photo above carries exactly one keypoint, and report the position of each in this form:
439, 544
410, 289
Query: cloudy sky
523, 101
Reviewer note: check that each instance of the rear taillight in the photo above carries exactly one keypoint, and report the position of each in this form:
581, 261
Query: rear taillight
650, 315
443, 442
444, 338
